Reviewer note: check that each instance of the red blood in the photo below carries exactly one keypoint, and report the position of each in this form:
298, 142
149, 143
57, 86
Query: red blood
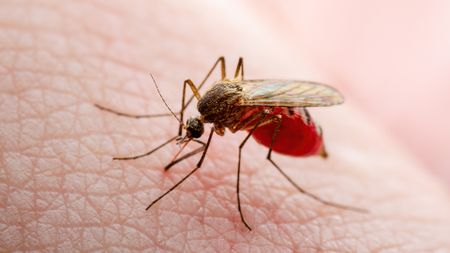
296, 137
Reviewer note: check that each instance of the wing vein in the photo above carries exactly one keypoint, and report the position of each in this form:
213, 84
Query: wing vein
289, 93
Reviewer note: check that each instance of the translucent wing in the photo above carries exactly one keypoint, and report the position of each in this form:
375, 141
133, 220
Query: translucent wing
289, 93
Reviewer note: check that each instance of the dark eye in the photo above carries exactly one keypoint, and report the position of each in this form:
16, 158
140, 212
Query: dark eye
194, 128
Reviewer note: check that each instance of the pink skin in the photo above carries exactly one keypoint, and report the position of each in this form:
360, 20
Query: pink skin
62, 192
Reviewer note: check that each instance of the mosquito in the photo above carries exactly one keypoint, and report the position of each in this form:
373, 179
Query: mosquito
274, 112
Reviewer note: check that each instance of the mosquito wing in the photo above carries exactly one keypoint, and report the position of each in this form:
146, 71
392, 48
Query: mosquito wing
289, 93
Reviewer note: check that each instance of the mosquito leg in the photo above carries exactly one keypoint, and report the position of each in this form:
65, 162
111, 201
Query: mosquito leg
263, 119
199, 164
183, 107
194, 152
146, 115
136, 116
179, 151
220, 60
148, 153
300, 189
150, 116
239, 69
247, 123
323, 153
183, 104
223, 73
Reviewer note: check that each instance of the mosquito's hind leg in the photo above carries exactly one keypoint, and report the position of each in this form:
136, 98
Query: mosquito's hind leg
239, 69
300, 189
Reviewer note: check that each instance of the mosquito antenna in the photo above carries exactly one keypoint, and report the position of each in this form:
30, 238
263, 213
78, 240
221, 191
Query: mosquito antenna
159, 92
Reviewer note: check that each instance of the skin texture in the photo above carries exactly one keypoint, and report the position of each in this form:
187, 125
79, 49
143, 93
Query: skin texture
61, 191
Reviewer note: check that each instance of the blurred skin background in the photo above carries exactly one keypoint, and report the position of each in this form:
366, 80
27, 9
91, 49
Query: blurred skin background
391, 57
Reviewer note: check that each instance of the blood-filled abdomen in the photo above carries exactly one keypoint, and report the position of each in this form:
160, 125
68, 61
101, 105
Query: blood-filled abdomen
298, 135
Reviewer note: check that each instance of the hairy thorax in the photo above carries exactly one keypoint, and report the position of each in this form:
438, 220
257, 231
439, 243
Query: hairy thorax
220, 104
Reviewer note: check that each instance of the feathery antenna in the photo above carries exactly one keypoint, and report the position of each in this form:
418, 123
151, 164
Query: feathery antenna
159, 92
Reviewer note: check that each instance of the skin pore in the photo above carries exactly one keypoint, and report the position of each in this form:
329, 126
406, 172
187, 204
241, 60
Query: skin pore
62, 191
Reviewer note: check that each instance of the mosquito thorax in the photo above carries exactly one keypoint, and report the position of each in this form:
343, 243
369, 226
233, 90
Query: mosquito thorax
218, 105
194, 127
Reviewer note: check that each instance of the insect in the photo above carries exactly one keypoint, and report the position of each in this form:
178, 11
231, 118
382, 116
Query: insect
272, 111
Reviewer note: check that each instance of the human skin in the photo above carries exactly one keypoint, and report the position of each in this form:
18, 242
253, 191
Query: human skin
61, 191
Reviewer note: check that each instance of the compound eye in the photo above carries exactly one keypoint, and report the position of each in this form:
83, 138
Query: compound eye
194, 128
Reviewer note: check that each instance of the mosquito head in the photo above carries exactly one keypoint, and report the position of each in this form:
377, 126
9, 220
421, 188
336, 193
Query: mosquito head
194, 128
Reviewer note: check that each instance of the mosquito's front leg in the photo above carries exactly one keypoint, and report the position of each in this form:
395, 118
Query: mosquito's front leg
184, 104
199, 164
186, 156
220, 60
136, 116
223, 75
148, 153
196, 89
